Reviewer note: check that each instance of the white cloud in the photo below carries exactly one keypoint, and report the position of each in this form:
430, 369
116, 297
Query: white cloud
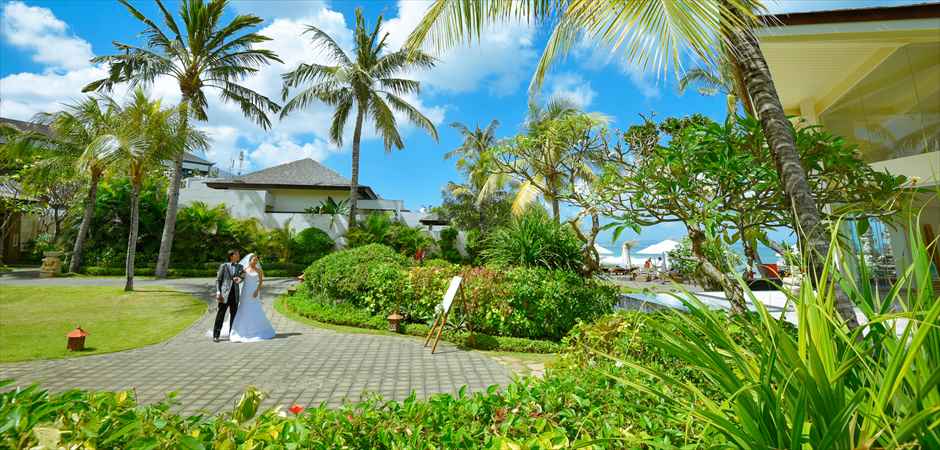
303, 134
572, 87
279, 149
502, 60
39, 32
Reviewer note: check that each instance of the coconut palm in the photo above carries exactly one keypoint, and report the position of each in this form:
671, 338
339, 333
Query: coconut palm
543, 158
149, 135
712, 82
368, 81
206, 54
81, 133
656, 34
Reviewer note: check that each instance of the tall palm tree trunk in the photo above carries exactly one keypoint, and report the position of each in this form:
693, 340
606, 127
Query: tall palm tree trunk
132, 236
173, 198
89, 215
778, 131
354, 179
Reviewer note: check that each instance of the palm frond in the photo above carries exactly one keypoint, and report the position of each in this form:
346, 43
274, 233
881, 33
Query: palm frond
340, 116
385, 123
414, 116
325, 42
253, 105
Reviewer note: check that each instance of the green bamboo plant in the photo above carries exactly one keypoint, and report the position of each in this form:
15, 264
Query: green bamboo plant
823, 386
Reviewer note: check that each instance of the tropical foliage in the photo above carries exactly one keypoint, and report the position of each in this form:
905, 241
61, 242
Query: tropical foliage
204, 54
368, 82
526, 302
534, 240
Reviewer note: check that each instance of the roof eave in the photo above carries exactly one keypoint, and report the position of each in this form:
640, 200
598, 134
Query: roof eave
235, 185
876, 14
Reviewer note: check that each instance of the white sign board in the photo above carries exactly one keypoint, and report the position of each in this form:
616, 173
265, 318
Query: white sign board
451, 293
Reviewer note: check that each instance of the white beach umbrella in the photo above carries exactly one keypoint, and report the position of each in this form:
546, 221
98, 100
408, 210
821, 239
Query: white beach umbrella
661, 248
601, 250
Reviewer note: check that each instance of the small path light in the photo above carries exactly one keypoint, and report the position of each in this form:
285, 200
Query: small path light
394, 321
77, 339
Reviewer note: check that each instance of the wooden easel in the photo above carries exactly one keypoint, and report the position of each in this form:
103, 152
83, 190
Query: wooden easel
446, 304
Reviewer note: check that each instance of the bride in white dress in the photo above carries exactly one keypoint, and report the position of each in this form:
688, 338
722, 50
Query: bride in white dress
251, 324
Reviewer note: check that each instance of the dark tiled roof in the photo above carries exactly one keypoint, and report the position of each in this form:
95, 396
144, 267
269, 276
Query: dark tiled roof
191, 158
26, 126
301, 174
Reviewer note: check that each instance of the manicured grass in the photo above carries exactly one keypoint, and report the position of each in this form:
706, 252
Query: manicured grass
35, 319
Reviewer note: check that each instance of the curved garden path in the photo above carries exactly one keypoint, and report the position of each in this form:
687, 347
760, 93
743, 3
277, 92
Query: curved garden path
301, 365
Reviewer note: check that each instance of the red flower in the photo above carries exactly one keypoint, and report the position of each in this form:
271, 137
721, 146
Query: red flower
296, 409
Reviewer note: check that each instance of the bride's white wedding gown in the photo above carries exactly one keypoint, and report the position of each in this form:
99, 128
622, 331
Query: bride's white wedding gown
251, 324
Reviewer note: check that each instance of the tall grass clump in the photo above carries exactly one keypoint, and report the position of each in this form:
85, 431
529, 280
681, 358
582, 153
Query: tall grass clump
824, 386
534, 240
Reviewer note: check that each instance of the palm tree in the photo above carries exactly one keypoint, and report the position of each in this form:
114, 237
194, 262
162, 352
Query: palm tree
82, 132
542, 158
472, 154
656, 34
368, 82
205, 54
712, 82
149, 135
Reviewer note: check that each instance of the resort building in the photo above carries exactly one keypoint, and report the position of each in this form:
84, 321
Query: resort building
871, 76
286, 193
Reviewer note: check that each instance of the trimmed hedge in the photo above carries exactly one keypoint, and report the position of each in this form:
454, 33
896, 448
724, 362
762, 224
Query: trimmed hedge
352, 275
322, 310
523, 302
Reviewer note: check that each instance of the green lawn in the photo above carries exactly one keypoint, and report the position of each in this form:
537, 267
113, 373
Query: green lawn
34, 320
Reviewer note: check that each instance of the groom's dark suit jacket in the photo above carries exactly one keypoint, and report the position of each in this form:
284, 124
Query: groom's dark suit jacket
224, 280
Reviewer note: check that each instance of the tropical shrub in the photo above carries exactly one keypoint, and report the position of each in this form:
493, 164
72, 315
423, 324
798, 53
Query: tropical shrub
379, 228
542, 303
347, 276
534, 240
106, 244
567, 409
534, 303
448, 245
322, 309
311, 244
824, 386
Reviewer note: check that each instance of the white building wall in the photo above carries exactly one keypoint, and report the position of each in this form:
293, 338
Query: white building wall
287, 205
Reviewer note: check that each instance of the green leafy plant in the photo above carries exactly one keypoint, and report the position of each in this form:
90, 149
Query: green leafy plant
311, 244
346, 276
534, 240
824, 386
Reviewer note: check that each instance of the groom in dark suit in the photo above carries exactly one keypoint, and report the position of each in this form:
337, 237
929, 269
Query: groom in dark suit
226, 291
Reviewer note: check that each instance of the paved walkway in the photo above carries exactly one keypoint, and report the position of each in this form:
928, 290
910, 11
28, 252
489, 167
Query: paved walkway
301, 365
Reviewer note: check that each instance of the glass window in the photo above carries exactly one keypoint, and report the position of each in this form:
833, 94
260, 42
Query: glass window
895, 110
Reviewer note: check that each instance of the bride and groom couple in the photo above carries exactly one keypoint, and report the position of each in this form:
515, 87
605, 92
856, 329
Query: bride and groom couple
238, 291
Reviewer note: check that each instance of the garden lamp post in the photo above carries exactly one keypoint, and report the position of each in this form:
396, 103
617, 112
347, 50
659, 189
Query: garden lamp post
76, 339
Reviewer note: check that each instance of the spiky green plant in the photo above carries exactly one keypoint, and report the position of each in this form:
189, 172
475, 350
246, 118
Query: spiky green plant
824, 387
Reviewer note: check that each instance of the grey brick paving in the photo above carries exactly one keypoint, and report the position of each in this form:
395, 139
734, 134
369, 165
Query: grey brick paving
302, 364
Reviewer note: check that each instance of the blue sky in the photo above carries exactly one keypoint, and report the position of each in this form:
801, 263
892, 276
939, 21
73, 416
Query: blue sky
46, 45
